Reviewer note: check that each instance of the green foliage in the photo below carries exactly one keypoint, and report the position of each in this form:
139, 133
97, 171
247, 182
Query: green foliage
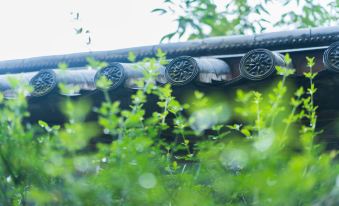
177, 155
202, 18
96, 64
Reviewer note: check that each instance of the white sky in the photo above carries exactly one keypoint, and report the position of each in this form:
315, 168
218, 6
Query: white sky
45, 27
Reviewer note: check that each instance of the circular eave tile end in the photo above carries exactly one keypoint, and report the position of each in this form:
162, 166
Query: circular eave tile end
331, 57
257, 64
181, 70
43, 83
114, 73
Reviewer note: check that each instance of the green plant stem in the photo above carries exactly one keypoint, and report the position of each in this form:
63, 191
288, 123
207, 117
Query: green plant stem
312, 112
294, 109
258, 117
186, 145
277, 102
4, 192
164, 112
9, 168
107, 97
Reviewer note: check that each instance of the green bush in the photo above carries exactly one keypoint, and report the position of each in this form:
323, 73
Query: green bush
182, 154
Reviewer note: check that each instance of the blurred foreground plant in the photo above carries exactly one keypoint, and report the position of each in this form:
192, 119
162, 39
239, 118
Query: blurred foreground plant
169, 158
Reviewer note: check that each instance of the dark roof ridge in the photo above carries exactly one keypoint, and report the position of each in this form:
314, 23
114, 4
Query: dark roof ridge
300, 38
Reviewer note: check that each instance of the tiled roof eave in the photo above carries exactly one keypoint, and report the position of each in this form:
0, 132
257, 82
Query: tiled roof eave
221, 61
228, 45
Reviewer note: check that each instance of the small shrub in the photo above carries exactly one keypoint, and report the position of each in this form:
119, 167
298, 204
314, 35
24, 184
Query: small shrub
257, 150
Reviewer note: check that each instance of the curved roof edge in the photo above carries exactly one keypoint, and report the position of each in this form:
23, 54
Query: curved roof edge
301, 38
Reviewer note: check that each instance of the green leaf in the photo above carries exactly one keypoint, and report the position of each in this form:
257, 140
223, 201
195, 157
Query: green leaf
62, 66
43, 124
159, 11
310, 61
131, 57
198, 94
